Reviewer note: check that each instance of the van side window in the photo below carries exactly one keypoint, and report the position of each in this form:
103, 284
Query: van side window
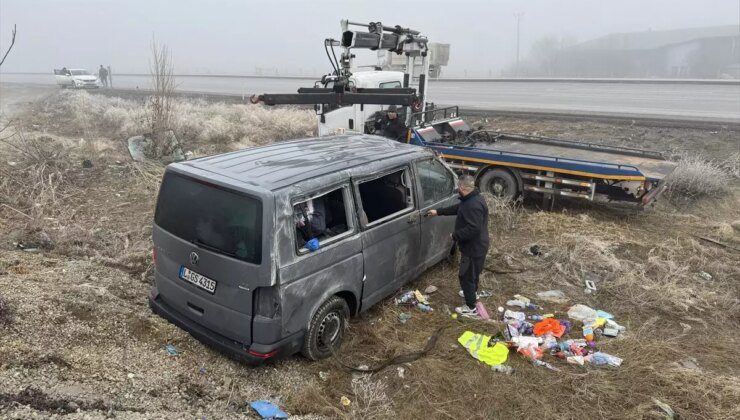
437, 183
323, 217
386, 196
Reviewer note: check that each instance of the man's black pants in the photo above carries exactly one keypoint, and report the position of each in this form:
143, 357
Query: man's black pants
470, 269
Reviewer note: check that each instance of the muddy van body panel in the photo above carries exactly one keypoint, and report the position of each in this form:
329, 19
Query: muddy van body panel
264, 307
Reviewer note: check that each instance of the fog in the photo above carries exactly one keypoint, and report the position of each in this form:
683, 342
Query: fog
237, 37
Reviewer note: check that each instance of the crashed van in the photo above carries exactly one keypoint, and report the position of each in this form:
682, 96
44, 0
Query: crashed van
235, 267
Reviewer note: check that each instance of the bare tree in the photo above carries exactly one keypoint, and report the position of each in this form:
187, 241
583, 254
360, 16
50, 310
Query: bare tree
12, 42
163, 83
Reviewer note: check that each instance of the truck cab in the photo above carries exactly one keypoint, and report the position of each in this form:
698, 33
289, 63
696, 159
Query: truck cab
353, 118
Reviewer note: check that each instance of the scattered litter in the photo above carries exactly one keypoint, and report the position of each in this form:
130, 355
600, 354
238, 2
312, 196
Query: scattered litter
403, 317
531, 352
545, 365
581, 313
324, 376
145, 147
669, 413
430, 289
519, 316
401, 372
415, 298
420, 298
535, 250
549, 326
590, 286
505, 369
610, 332
686, 327
576, 360
482, 312
500, 308
345, 401
424, 308
690, 363
171, 350
554, 296
603, 359
268, 410
704, 275
603, 314
454, 316
478, 345
87, 163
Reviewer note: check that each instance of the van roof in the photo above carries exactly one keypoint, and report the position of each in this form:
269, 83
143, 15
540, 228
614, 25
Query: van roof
284, 163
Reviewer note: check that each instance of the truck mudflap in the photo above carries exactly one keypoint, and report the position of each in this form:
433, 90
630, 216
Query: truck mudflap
255, 353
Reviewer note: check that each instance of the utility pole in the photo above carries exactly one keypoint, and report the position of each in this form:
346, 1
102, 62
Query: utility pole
518, 17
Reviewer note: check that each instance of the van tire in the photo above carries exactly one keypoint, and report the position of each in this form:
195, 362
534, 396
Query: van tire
500, 183
331, 320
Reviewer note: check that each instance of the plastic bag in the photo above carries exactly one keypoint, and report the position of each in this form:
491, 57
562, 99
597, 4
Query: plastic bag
581, 313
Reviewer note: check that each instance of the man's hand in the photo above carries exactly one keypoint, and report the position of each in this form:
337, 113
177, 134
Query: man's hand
431, 213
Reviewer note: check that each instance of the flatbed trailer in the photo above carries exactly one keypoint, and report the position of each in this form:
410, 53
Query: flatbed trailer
508, 165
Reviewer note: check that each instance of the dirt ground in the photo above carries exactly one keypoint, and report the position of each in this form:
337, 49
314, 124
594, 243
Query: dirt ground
77, 339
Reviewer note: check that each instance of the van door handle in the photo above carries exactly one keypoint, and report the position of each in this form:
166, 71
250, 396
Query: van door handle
412, 219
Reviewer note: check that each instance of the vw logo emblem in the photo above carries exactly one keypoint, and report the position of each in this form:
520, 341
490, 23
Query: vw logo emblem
194, 258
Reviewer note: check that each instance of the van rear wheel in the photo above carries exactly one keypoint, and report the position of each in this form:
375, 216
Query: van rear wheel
325, 333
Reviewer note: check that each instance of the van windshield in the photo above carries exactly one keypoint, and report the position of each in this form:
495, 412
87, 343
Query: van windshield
211, 217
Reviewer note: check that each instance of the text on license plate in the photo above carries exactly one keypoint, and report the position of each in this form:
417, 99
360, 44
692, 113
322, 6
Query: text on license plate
199, 280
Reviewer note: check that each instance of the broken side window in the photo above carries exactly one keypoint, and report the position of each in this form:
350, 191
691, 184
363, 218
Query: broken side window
384, 197
436, 181
322, 217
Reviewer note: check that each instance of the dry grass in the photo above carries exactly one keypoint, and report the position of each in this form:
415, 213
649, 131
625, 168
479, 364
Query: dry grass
696, 176
201, 127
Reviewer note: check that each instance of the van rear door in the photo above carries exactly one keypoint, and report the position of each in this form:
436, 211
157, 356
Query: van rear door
209, 244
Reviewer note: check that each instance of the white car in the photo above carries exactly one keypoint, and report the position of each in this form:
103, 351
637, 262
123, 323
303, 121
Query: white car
75, 78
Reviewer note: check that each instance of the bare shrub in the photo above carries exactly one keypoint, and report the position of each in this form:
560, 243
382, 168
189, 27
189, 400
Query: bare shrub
160, 103
695, 176
503, 214
371, 399
33, 183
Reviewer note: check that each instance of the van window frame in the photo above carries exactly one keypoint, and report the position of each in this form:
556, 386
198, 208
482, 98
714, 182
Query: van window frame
349, 215
407, 210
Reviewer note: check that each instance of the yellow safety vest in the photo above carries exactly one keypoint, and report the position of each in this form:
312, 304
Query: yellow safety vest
477, 346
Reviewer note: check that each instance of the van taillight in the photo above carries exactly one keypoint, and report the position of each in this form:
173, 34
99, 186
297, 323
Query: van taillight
154, 256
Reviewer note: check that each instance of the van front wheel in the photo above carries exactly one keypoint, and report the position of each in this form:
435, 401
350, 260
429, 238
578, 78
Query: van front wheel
325, 333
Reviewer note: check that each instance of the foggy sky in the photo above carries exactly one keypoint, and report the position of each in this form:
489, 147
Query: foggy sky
235, 36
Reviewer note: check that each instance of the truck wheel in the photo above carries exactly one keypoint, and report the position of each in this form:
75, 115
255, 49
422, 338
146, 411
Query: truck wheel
325, 333
500, 183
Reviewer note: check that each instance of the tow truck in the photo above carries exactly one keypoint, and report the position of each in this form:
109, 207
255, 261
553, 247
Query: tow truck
507, 165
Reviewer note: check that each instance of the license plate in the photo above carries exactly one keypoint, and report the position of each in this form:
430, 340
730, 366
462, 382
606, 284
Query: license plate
199, 280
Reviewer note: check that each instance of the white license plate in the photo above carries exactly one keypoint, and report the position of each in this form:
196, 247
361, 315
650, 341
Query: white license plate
199, 280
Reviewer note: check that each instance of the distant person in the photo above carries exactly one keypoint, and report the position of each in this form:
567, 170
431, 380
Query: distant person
391, 126
65, 71
103, 75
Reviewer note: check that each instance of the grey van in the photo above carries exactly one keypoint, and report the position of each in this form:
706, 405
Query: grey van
235, 240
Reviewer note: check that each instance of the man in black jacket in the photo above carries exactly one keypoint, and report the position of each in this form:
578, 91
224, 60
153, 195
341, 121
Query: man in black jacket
391, 126
471, 234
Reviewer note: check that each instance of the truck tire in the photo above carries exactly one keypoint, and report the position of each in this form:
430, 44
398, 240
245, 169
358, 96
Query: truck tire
326, 330
500, 183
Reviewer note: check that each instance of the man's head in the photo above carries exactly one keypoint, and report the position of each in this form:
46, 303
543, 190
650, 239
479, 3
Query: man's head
101, 66
465, 185
392, 112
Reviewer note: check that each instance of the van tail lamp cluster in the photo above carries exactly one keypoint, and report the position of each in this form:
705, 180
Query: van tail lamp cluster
262, 355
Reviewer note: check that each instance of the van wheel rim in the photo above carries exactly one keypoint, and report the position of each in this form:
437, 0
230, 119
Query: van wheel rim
329, 329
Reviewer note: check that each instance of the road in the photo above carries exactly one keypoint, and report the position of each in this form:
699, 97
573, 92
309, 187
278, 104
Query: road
694, 101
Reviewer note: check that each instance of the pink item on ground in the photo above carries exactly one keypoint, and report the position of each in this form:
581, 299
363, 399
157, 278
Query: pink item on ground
482, 310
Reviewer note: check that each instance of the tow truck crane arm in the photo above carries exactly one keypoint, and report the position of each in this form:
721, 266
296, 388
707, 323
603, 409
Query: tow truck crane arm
329, 96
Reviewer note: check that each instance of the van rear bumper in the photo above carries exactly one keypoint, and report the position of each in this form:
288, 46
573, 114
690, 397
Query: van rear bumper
255, 353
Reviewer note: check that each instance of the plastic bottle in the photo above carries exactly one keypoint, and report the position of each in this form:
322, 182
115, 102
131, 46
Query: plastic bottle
506, 369
588, 333
424, 308
535, 317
